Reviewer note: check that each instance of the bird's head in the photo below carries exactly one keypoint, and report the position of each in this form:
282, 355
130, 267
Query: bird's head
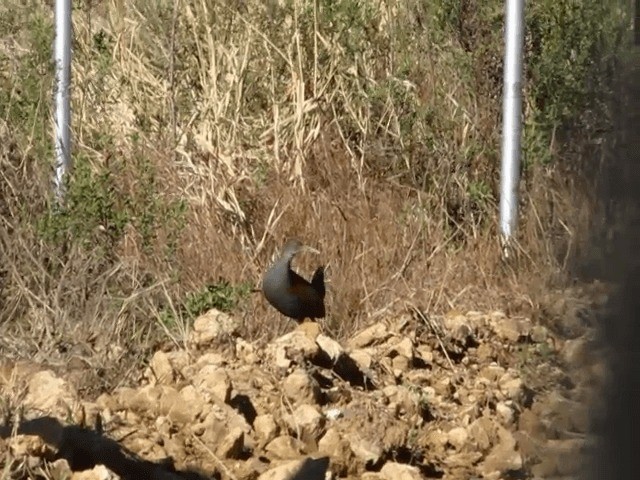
295, 246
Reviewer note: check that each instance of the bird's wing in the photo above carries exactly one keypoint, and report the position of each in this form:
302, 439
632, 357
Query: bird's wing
296, 282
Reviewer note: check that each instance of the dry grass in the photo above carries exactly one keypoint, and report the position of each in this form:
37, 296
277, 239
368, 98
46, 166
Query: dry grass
267, 122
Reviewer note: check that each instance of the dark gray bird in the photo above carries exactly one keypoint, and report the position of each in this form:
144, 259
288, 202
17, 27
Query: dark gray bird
288, 292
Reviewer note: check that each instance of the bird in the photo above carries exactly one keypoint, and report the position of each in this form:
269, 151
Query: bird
288, 292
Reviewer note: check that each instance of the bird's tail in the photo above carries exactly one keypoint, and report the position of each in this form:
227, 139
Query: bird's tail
317, 281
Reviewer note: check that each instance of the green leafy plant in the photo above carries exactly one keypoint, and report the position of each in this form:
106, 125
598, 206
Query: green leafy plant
93, 212
97, 210
222, 295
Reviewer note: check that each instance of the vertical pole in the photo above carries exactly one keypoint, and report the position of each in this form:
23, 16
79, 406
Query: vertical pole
511, 119
62, 97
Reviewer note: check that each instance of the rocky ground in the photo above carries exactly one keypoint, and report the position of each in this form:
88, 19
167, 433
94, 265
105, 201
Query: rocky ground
462, 396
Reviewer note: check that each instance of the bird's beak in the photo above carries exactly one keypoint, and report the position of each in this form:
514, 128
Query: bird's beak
307, 248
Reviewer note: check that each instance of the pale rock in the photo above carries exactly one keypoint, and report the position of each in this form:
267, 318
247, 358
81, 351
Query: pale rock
404, 347
307, 423
49, 393
194, 399
161, 368
428, 394
511, 329
265, 427
232, 444
492, 372
390, 391
385, 365
284, 447
60, 470
307, 469
458, 437
576, 352
405, 400
99, 472
227, 436
453, 320
363, 359
214, 383
330, 347
179, 359
281, 359
246, 352
233, 417
28, 444
294, 346
144, 399
399, 471
476, 317
505, 413
394, 409
539, 334
334, 414
299, 387
337, 449
147, 448
496, 316
443, 387
425, 353
365, 449
181, 407
438, 438
483, 433
486, 352
211, 358
532, 423
463, 460
310, 329
332, 444
457, 326
174, 448
567, 454
213, 325
400, 364
250, 469
107, 403
419, 377
374, 334
285, 471
14, 372
503, 456
564, 414
509, 385
163, 426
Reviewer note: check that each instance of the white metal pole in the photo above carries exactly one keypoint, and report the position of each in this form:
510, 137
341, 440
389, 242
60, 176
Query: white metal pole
62, 96
511, 118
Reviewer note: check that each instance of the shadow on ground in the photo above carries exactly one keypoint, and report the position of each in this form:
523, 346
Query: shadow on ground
84, 448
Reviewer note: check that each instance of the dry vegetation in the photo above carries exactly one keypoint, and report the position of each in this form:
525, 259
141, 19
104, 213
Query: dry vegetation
205, 133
